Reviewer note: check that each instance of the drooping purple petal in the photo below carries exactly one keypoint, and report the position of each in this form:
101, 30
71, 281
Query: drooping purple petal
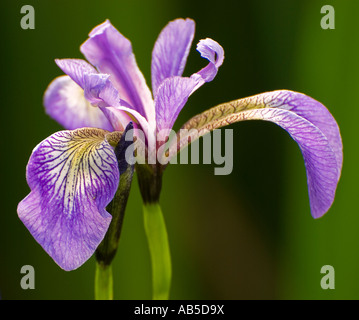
317, 114
64, 101
171, 50
111, 53
308, 122
73, 175
320, 161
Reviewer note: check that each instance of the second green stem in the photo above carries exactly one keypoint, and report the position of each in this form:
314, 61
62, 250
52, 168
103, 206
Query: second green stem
159, 250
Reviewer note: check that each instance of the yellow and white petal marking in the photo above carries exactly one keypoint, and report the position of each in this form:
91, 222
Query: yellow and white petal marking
73, 175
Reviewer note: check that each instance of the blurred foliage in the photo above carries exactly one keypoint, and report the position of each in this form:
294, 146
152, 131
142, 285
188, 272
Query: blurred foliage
248, 235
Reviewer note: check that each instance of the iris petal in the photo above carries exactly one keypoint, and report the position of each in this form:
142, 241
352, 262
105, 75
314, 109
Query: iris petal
65, 102
307, 121
97, 90
173, 92
172, 95
76, 69
319, 159
171, 50
110, 52
317, 114
73, 175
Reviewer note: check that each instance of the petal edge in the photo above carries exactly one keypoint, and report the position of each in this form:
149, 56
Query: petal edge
308, 122
72, 175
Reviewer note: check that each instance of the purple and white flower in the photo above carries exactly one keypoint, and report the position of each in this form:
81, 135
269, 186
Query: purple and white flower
73, 174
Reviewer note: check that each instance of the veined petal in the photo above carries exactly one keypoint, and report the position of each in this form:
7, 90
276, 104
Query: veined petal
73, 175
172, 95
171, 50
307, 121
76, 69
173, 92
65, 102
319, 159
111, 53
98, 89
314, 112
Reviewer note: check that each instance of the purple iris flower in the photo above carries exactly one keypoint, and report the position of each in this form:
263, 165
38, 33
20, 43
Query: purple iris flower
73, 174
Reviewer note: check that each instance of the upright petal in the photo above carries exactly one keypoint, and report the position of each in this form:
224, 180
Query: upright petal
173, 92
172, 95
307, 121
65, 102
111, 53
171, 50
73, 175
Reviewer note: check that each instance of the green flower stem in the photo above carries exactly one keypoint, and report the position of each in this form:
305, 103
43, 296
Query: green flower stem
159, 250
107, 249
103, 282
150, 183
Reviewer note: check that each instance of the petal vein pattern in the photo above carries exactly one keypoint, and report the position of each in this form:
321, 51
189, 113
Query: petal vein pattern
307, 121
73, 175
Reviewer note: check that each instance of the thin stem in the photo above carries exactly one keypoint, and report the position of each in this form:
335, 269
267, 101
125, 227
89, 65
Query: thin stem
107, 249
103, 282
159, 250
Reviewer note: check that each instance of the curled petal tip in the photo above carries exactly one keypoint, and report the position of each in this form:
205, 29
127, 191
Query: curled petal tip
214, 53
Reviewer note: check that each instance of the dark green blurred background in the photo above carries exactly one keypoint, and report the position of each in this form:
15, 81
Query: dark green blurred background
248, 235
